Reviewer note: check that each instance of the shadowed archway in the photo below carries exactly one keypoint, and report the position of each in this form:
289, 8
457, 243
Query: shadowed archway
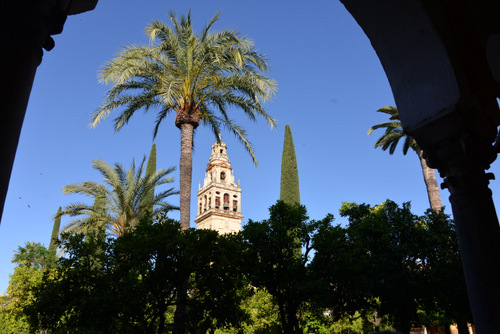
26, 28
442, 59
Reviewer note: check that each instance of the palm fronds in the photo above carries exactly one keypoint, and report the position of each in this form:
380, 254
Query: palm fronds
393, 132
120, 201
207, 74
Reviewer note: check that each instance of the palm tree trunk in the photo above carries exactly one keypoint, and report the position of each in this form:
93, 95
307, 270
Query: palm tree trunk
430, 183
180, 314
186, 171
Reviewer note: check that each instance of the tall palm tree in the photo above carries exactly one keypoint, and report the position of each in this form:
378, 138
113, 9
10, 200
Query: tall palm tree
393, 133
120, 206
196, 77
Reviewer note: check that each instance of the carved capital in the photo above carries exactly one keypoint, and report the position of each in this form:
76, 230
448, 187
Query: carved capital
462, 160
28, 24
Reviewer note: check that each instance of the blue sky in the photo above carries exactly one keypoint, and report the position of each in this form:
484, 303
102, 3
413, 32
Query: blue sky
330, 85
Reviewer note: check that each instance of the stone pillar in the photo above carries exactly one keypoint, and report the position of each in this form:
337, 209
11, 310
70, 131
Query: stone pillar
441, 59
25, 28
22, 40
462, 162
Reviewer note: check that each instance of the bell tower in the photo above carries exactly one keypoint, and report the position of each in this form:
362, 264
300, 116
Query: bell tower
219, 200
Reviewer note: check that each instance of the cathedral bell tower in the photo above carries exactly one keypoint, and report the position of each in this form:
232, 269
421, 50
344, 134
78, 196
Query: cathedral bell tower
219, 200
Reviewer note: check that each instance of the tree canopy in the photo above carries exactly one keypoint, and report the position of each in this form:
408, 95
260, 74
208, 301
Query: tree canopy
272, 255
138, 278
387, 267
389, 260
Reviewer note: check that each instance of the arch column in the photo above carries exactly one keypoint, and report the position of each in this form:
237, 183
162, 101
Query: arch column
441, 59
462, 162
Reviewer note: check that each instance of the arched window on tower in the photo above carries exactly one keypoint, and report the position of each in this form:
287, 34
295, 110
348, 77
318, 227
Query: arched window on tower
235, 205
217, 202
209, 203
205, 203
222, 176
226, 201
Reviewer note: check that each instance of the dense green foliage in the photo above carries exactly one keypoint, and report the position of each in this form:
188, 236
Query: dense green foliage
272, 255
386, 268
34, 255
289, 190
263, 315
137, 278
33, 260
394, 262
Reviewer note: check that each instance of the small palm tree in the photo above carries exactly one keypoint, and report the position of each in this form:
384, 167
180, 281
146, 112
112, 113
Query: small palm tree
393, 134
198, 78
120, 206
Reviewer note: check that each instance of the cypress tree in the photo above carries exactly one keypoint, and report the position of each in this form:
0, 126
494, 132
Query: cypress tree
150, 171
289, 190
55, 231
